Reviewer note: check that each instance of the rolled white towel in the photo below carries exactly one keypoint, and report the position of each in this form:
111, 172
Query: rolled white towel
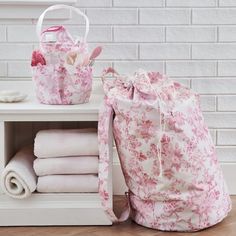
68, 184
18, 178
67, 142
66, 165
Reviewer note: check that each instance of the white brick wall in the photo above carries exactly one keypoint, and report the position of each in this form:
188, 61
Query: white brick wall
193, 41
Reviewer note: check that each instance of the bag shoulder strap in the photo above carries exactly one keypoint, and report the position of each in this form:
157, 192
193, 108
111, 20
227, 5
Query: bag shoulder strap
105, 141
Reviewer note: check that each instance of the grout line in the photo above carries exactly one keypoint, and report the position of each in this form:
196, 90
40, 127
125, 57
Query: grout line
138, 11
217, 34
6, 34
112, 34
138, 53
7, 67
216, 136
191, 16
191, 52
165, 37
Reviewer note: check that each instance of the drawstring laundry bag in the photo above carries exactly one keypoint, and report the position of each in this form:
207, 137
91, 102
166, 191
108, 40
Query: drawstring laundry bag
62, 67
166, 152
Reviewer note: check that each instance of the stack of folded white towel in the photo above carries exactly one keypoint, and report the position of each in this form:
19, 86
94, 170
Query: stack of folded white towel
67, 160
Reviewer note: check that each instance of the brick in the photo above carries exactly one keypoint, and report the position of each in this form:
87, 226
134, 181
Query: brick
129, 67
139, 34
19, 69
191, 68
30, 12
96, 33
227, 34
164, 51
118, 51
190, 34
226, 154
27, 33
227, 68
227, 103
113, 16
22, 33
214, 86
227, 3
15, 51
138, 3
226, 137
218, 120
164, 16
92, 3
214, 51
208, 103
3, 69
191, 3
214, 16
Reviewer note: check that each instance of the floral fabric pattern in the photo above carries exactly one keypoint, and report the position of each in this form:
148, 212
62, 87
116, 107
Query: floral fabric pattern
166, 152
61, 70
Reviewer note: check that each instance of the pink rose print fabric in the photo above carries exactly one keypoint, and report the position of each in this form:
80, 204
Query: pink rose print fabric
166, 152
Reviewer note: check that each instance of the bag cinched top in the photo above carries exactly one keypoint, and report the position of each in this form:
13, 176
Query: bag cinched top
166, 152
62, 67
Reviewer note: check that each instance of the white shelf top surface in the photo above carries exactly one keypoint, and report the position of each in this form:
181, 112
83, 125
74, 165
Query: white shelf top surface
31, 106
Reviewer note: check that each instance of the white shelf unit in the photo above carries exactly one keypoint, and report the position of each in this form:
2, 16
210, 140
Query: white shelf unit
18, 124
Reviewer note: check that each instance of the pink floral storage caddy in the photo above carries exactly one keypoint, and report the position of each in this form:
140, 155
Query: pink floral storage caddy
62, 67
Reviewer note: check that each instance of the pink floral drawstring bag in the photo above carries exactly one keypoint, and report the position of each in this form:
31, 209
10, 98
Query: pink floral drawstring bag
62, 67
166, 152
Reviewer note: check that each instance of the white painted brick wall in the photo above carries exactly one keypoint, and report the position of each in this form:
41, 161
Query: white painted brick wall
138, 3
191, 34
227, 34
191, 68
193, 41
3, 69
227, 103
164, 16
226, 137
139, 34
226, 154
113, 16
216, 16
191, 3
164, 51
227, 3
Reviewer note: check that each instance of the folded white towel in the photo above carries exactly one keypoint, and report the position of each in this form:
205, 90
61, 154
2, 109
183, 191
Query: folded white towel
18, 178
67, 142
68, 184
66, 165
